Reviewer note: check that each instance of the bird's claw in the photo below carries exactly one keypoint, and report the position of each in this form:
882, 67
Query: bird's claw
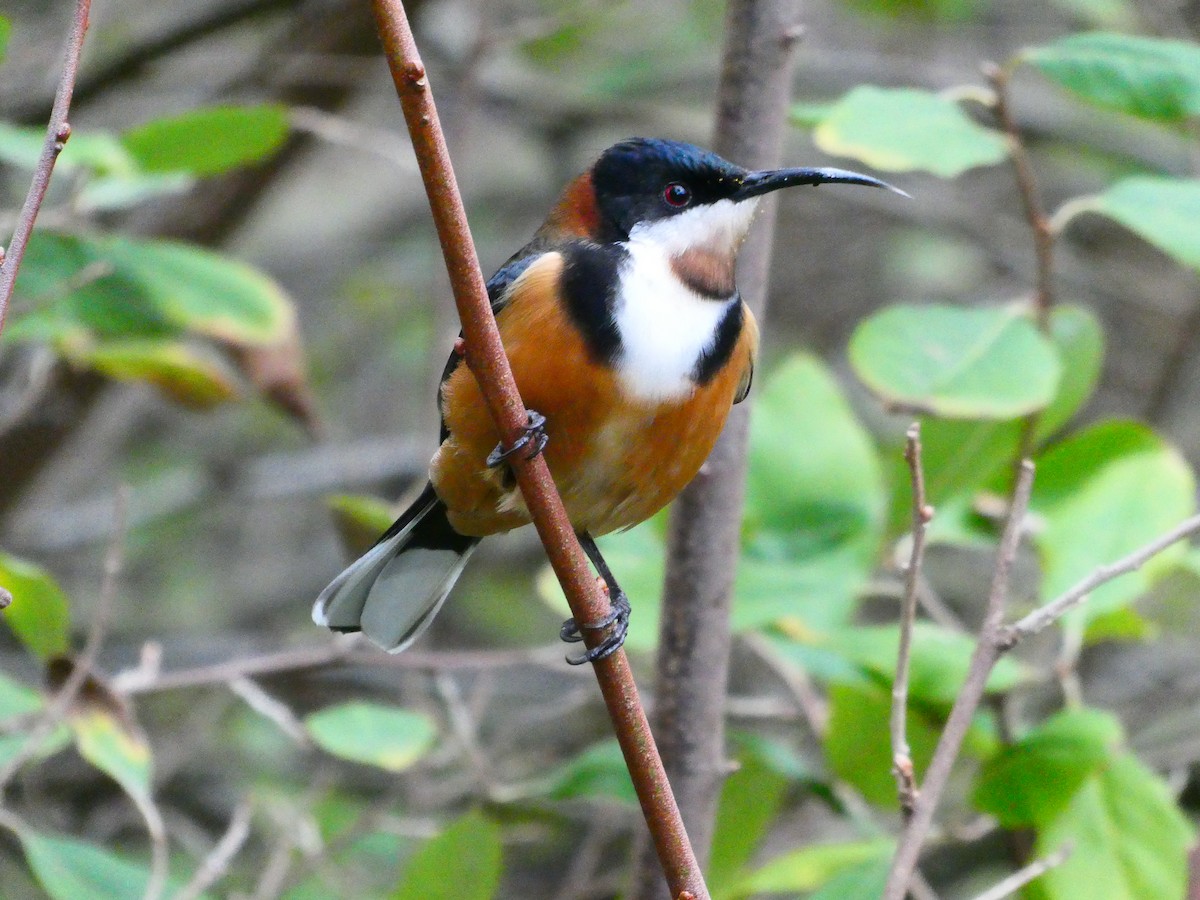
534, 433
617, 620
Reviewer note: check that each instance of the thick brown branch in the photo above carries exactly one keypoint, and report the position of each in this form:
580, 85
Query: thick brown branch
485, 356
57, 133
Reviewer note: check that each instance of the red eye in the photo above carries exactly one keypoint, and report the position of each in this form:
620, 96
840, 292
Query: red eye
677, 194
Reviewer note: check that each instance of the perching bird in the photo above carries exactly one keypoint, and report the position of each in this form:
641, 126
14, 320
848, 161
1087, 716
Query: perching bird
629, 344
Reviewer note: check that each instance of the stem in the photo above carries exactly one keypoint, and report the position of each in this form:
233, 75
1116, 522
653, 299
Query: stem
57, 133
987, 651
486, 359
922, 514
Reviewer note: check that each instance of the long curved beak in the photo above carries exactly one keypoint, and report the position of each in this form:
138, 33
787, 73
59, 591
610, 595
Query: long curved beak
757, 183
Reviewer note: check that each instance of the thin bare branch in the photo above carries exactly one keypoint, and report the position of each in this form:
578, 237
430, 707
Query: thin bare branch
922, 514
485, 356
57, 133
987, 651
216, 864
1047, 615
1023, 876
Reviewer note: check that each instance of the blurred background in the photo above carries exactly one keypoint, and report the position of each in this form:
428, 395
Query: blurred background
231, 533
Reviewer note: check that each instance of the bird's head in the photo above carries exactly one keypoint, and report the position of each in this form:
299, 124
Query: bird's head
682, 197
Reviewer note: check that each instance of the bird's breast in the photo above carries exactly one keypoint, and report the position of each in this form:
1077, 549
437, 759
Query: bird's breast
665, 326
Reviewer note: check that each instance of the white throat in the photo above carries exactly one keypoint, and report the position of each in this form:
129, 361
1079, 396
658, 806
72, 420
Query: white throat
664, 325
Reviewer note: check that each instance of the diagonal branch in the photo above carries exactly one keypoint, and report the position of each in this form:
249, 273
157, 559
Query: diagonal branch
57, 133
485, 356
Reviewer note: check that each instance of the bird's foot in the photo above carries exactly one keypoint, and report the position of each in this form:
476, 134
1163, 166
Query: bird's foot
617, 620
534, 437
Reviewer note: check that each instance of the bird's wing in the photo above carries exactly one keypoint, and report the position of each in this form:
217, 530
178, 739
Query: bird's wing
498, 295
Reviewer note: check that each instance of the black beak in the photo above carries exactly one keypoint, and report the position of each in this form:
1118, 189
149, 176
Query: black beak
757, 183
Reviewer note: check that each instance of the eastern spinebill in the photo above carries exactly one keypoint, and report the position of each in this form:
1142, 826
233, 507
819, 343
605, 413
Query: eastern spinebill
629, 343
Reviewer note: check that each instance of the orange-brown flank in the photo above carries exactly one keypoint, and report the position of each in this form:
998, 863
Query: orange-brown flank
616, 460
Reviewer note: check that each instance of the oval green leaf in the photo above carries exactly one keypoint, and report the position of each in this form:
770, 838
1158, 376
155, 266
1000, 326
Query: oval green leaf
462, 863
856, 742
750, 800
904, 130
69, 869
40, 614
813, 867
939, 664
1029, 783
597, 772
1101, 495
1162, 211
370, 733
957, 363
208, 141
1147, 77
1127, 833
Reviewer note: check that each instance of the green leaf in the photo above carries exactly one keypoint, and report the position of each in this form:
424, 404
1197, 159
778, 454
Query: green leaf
961, 456
40, 614
184, 373
1148, 77
814, 509
1162, 211
939, 663
114, 749
85, 288
1102, 494
360, 519
98, 151
1079, 339
462, 863
858, 746
988, 363
16, 699
208, 141
383, 736
69, 869
597, 772
904, 130
1128, 835
865, 881
5, 34
816, 866
1031, 782
750, 800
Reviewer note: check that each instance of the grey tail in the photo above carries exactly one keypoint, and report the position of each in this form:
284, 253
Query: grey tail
392, 592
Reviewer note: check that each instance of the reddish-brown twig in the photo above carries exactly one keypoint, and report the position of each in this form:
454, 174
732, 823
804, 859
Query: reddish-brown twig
484, 355
57, 133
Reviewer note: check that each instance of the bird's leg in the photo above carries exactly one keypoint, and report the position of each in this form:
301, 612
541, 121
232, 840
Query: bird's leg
535, 434
617, 617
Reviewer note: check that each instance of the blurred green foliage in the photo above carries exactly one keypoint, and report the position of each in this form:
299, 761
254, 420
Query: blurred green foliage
827, 505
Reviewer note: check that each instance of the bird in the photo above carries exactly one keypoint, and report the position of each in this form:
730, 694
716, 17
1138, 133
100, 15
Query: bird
629, 344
